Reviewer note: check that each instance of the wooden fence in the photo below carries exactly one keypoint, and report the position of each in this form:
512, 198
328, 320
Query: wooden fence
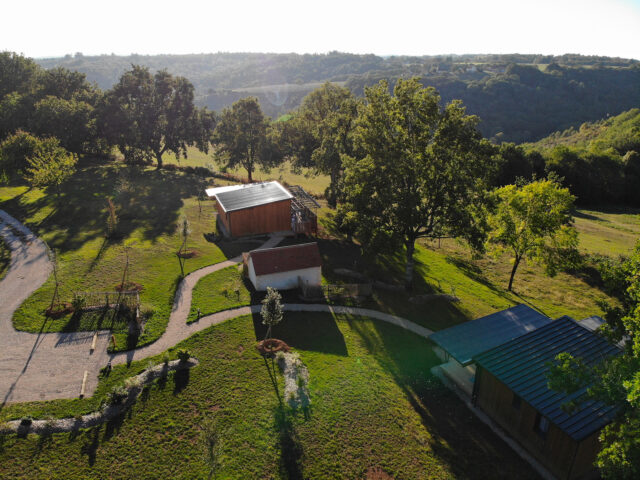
348, 290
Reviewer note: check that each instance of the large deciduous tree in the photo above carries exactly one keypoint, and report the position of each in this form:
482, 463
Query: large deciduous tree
321, 132
147, 116
243, 138
534, 221
422, 171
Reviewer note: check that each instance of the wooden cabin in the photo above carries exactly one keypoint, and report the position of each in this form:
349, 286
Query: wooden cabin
284, 268
263, 208
511, 387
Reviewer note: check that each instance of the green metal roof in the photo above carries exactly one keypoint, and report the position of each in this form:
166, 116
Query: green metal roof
464, 341
521, 365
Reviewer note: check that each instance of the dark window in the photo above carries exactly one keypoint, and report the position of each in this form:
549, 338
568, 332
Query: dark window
516, 402
542, 425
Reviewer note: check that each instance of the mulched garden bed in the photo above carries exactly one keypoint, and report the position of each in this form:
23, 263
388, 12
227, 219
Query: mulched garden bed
272, 345
128, 287
188, 254
59, 310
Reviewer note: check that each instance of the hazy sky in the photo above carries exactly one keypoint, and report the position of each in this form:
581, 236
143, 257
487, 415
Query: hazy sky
43, 28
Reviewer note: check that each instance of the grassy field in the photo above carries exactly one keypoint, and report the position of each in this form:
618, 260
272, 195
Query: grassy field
311, 183
610, 232
149, 205
5, 258
374, 405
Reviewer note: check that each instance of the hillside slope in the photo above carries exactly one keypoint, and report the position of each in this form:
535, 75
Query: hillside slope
518, 97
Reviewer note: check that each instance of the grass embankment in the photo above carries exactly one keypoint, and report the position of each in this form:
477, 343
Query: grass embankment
5, 258
149, 205
374, 404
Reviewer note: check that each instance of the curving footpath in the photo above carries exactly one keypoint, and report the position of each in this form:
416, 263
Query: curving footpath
47, 366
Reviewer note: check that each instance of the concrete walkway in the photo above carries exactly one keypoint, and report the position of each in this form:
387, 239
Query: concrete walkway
47, 366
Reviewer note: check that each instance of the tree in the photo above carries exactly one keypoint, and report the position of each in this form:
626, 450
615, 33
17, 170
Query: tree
272, 310
15, 150
321, 132
422, 171
147, 116
615, 381
534, 221
185, 230
50, 165
242, 137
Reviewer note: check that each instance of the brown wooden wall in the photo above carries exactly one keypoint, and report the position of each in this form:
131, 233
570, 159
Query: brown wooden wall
272, 217
222, 216
556, 450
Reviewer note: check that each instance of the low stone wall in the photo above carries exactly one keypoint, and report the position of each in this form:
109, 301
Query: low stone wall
108, 412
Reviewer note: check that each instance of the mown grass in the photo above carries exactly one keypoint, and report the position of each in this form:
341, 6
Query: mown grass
149, 205
610, 232
374, 404
219, 291
5, 258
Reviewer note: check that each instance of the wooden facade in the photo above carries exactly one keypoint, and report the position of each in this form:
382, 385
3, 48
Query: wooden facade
565, 457
261, 219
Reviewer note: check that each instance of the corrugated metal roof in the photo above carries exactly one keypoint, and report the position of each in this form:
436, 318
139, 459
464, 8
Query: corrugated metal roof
521, 365
472, 338
285, 259
252, 195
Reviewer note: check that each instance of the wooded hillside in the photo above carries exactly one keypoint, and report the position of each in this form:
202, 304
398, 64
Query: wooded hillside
518, 97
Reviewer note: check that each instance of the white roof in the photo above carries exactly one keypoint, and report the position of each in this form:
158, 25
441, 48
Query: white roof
238, 197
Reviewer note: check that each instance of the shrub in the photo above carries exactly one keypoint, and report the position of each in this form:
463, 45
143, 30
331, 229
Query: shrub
184, 355
117, 395
133, 382
26, 421
79, 302
165, 358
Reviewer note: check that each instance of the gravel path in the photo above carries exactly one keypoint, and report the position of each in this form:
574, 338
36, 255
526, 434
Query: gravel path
47, 366
37, 366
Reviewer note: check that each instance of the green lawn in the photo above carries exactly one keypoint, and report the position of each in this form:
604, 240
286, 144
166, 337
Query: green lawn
221, 290
5, 258
374, 404
480, 284
610, 232
149, 203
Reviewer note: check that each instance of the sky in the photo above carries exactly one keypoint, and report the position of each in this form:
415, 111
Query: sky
49, 28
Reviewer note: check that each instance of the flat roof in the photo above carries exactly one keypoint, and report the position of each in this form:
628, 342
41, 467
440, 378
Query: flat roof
472, 338
521, 365
285, 259
239, 197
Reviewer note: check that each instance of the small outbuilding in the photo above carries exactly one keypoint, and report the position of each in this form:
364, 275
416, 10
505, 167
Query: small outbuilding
266, 207
252, 209
511, 387
284, 268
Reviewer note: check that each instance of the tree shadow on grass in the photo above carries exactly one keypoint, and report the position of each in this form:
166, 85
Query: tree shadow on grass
90, 444
148, 200
180, 380
312, 333
291, 451
457, 436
